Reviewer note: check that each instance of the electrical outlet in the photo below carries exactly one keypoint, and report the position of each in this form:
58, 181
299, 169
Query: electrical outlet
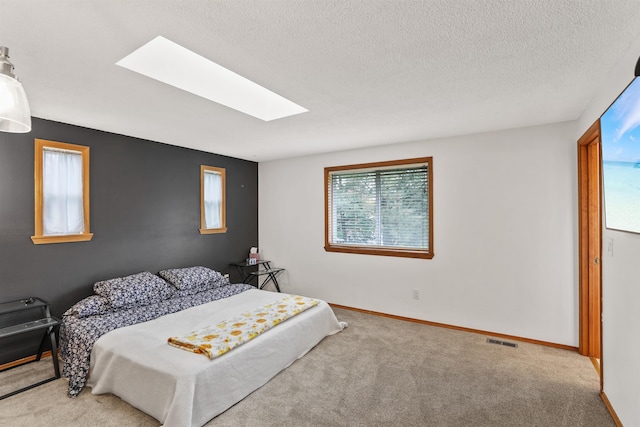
226, 276
415, 294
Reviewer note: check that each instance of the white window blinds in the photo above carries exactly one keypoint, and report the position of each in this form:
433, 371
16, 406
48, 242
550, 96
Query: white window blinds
386, 208
62, 191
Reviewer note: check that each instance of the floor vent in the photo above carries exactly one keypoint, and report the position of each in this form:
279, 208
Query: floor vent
505, 343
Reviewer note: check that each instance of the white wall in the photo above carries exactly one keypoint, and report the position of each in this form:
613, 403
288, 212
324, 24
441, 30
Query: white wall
620, 279
504, 229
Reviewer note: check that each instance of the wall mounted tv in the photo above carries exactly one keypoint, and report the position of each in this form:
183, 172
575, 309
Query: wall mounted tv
620, 132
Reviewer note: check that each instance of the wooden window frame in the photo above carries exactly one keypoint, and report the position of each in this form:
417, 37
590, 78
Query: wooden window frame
222, 172
355, 249
38, 238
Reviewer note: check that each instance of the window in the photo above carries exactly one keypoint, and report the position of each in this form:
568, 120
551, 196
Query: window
380, 208
213, 217
61, 192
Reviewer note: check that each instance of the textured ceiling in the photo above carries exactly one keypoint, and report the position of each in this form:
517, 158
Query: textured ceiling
371, 72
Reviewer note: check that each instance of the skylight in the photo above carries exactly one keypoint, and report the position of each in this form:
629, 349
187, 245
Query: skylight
170, 63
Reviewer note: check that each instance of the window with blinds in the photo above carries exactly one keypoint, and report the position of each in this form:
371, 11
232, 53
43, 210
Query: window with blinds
380, 208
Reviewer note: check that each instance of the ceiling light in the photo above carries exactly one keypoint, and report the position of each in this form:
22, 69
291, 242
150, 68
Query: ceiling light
170, 63
15, 115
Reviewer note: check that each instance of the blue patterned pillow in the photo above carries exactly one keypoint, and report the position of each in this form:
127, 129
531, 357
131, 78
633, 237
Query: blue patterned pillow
192, 280
93, 305
135, 290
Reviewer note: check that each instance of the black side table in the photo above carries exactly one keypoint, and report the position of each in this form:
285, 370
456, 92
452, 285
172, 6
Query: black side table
46, 322
248, 272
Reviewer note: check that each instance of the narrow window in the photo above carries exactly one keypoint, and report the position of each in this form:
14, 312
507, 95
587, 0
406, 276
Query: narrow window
213, 218
61, 192
382, 208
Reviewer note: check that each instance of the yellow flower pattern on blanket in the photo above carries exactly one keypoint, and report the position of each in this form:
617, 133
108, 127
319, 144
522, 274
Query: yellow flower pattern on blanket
216, 340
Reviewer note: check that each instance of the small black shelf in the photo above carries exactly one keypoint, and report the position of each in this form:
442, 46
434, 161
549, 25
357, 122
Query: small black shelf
47, 323
248, 272
22, 305
28, 326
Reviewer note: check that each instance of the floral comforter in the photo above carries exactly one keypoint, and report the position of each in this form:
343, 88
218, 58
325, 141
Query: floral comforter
77, 335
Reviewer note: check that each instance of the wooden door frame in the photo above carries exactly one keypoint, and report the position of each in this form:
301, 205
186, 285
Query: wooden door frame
590, 203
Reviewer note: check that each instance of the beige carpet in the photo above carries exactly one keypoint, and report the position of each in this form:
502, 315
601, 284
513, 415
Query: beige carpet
377, 372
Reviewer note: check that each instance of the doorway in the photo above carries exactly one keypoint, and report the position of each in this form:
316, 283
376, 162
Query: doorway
590, 245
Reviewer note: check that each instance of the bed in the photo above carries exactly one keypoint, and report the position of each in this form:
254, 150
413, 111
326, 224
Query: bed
129, 355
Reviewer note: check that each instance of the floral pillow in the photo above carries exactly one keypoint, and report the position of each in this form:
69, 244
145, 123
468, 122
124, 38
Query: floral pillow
192, 280
135, 290
93, 305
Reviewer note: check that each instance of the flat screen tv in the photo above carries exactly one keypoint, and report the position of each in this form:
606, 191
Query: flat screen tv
620, 132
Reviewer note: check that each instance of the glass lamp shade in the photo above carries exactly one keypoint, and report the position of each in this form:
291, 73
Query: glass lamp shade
15, 115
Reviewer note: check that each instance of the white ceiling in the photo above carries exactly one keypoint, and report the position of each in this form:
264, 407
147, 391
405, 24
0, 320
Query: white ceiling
371, 72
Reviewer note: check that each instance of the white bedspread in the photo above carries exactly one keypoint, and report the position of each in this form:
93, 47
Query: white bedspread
180, 388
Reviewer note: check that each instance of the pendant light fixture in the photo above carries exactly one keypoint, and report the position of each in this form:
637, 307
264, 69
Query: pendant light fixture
15, 115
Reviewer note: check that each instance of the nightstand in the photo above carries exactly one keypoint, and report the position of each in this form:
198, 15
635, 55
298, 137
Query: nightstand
248, 272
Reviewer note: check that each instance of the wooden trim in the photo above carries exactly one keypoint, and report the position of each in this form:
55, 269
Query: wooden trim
609, 407
591, 135
590, 246
37, 172
583, 251
212, 230
595, 248
24, 360
386, 251
223, 175
41, 240
326, 208
38, 238
431, 210
380, 165
383, 252
457, 328
596, 365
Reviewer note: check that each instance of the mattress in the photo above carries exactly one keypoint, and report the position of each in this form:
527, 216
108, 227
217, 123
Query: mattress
180, 388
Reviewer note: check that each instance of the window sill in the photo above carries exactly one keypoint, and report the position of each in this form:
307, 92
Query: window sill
43, 240
406, 253
213, 230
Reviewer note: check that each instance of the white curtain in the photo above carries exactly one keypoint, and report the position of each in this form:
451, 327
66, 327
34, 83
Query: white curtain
212, 200
63, 210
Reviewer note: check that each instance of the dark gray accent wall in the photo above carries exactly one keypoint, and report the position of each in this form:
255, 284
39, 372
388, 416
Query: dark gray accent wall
145, 216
